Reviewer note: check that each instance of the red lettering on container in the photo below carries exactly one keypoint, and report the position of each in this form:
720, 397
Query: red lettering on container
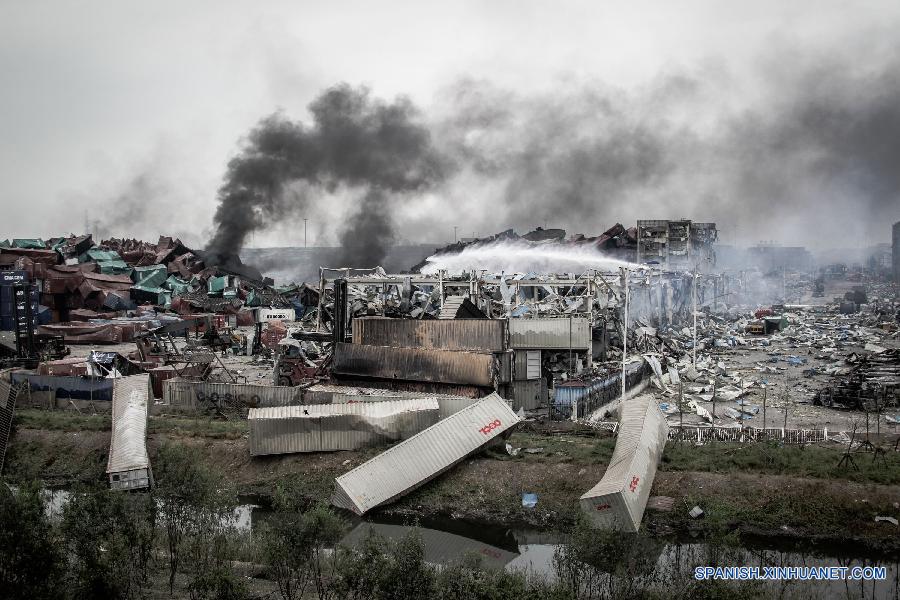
490, 427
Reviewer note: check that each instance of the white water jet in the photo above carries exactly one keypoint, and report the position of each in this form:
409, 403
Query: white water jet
524, 257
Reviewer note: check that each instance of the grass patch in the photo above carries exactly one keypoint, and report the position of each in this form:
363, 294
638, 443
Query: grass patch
53, 420
59, 420
770, 458
558, 448
200, 427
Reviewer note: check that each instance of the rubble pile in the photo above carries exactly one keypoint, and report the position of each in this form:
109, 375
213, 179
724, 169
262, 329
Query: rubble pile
107, 292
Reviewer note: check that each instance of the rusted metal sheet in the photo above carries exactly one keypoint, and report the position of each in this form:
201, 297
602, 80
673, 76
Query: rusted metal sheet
414, 364
485, 335
422, 387
550, 334
331, 427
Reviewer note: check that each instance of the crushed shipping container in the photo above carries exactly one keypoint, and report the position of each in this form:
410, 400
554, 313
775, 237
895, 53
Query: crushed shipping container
189, 396
329, 427
423, 457
483, 335
414, 364
619, 499
338, 394
129, 465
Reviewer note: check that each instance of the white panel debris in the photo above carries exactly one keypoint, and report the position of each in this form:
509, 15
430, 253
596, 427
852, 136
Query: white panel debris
419, 459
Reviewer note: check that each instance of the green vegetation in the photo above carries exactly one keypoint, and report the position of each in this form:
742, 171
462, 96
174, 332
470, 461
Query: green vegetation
582, 450
58, 420
802, 461
31, 564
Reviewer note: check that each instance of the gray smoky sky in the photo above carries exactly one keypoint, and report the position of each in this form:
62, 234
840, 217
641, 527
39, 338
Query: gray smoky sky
780, 121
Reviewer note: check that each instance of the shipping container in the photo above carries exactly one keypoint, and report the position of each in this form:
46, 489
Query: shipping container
421, 458
331, 427
550, 334
336, 394
414, 364
128, 465
484, 335
195, 395
618, 501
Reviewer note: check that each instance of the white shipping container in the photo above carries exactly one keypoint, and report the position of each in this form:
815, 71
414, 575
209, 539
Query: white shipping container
618, 501
331, 427
128, 465
419, 459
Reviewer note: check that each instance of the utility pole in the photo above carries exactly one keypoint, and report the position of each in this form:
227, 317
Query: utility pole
455, 240
304, 232
624, 331
694, 305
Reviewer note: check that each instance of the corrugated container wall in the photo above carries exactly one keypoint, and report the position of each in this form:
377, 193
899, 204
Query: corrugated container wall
330, 427
618, 501
332, 394
484, 335
413, 364
192, 395
527, 394
550, 334
419, 459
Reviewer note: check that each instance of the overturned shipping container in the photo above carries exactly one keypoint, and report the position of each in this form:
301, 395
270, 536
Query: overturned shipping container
129, 465
423, 457
483, 335
331, 427
415, 364
619, 499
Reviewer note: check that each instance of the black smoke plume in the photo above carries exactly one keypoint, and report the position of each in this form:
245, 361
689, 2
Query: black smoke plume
354, 142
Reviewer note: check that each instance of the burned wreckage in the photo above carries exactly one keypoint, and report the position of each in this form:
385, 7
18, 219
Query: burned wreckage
364, 358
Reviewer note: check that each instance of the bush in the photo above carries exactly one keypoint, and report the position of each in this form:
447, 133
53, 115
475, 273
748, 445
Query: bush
31, 565
110, 537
